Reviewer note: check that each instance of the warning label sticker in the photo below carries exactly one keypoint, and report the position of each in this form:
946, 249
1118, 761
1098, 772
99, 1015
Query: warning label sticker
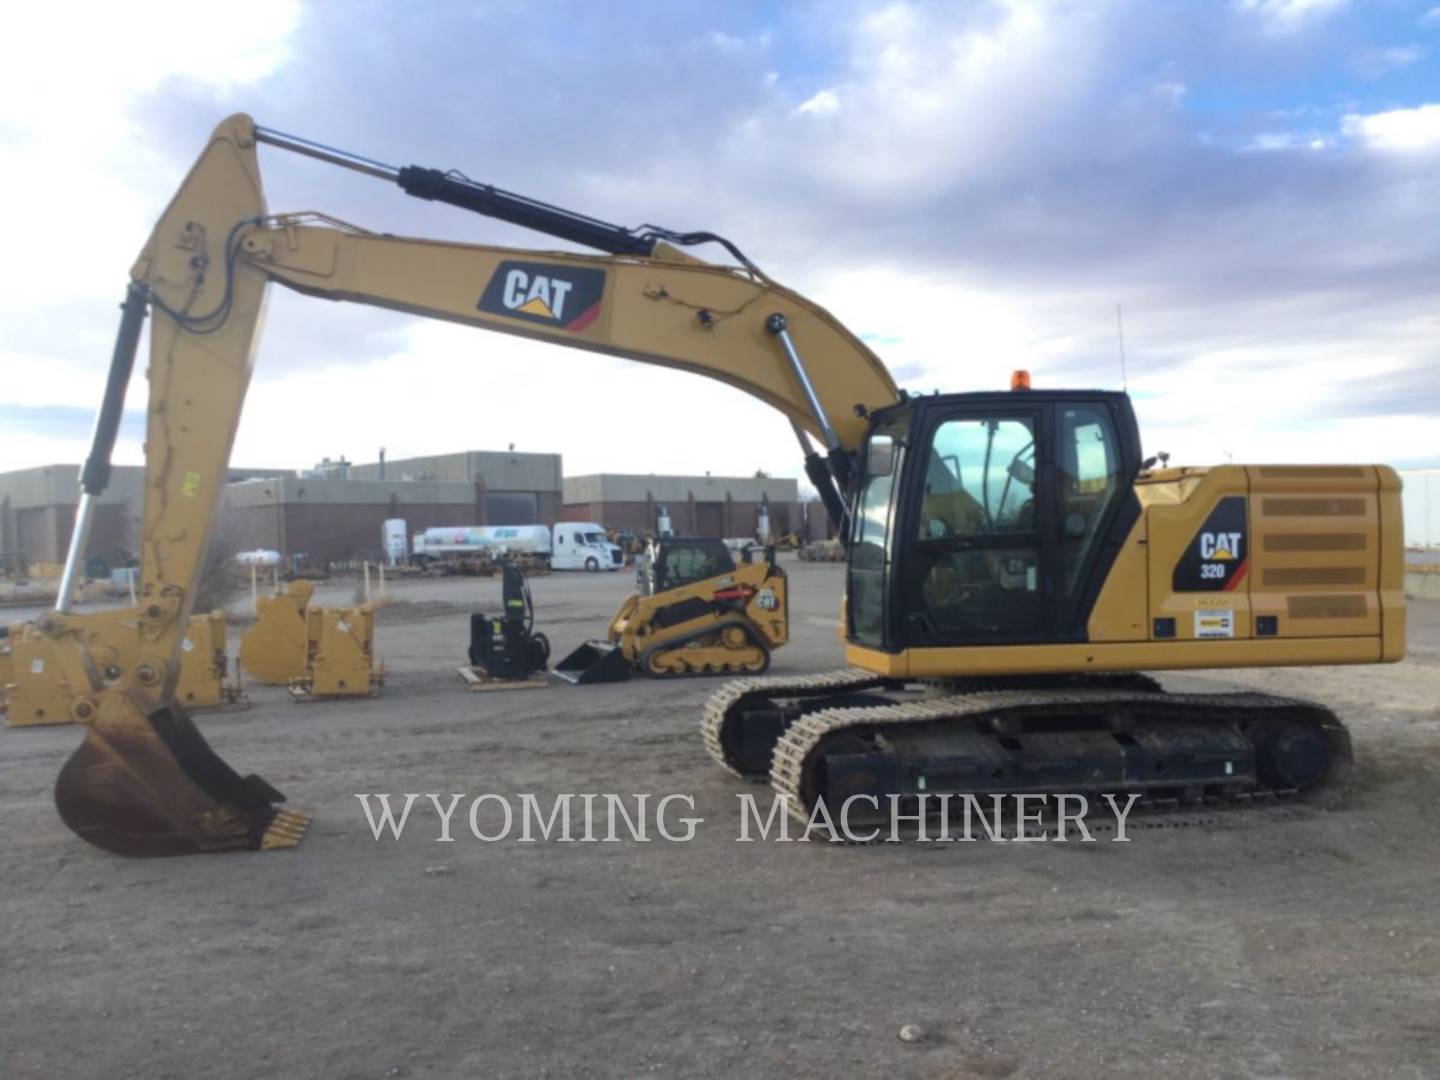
1215, 624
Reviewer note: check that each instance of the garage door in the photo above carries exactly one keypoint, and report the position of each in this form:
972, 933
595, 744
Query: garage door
709, 519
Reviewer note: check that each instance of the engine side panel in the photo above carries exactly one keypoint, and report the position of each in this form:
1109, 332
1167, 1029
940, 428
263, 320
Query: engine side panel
1233, 566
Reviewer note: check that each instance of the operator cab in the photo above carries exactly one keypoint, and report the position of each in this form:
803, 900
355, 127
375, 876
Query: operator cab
989, 518
672, 563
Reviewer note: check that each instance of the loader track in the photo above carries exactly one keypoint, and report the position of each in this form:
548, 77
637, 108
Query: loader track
716, 658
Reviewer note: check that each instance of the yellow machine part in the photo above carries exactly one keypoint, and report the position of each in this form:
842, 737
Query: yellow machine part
274, 650
316, 652
45, 677
1319, 581
340, 654
203, 664
727, 640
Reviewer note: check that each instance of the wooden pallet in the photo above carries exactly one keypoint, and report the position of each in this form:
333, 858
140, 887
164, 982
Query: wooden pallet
477, 679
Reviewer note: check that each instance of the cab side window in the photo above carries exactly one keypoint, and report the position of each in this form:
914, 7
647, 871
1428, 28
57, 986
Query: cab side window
1088, 460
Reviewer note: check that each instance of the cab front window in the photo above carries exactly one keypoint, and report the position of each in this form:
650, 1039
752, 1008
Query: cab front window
872, 531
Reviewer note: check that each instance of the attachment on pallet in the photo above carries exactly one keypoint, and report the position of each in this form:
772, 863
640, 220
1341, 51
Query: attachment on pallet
505, 648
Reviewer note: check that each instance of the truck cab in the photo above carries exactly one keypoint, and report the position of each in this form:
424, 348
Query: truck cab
583, 545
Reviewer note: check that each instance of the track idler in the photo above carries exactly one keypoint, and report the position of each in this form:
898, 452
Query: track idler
151, 785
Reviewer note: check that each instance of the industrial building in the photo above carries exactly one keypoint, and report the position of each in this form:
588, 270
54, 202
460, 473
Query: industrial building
334, 512
1422, 508
511, 488
37, 513
697, 505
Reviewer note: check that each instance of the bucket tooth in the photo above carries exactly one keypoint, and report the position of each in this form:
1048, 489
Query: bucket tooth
287, 830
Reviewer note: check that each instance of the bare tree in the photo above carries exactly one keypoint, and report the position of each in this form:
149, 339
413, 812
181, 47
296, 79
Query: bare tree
220, 574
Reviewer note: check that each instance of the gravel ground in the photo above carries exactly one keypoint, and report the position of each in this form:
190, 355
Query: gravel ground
1295, 944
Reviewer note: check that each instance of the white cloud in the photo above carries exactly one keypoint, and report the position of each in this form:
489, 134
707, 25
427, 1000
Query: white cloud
1375, 63
90, 180
822, 104
988, 180
1170, 91
1398, 130
1287, 15
1274, 141
468, 389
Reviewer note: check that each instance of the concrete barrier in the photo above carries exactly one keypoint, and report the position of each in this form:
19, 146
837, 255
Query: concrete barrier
1422, 582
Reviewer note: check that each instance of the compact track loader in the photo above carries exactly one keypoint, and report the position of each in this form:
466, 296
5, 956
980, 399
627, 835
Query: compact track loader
1014, 563
694, 613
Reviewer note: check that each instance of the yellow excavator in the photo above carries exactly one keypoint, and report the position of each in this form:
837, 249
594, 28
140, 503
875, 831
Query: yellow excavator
1014, 562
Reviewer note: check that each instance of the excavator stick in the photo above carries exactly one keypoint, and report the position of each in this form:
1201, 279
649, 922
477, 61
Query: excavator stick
144, 781
151, 785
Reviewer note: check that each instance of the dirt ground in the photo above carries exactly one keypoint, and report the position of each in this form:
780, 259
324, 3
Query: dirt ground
1287, 945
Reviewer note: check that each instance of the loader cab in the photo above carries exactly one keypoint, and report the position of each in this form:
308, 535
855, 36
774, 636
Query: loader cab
675, 563
989, 519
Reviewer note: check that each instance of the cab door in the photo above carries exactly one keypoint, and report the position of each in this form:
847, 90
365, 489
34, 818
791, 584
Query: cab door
982, 542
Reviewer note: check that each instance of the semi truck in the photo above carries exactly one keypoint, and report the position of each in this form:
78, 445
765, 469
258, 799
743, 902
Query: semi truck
571, 545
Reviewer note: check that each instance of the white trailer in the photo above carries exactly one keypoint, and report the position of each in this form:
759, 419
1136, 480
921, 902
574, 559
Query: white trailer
496, 539
471, 548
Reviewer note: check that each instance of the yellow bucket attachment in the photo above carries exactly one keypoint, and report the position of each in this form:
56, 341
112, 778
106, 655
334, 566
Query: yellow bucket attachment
273, 651
340, 655
151, 785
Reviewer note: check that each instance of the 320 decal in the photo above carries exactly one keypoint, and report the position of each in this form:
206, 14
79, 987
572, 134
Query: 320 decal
1216, 559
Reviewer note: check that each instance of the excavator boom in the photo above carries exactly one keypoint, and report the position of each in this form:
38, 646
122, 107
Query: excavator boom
144, 782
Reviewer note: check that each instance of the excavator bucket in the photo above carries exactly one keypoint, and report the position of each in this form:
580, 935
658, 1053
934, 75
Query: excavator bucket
594, 662
151, 785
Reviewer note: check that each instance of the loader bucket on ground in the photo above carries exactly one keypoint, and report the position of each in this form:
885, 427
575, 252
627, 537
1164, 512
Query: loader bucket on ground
149, 786
594, 662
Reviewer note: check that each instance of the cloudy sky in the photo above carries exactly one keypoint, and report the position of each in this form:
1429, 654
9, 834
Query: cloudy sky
970, 187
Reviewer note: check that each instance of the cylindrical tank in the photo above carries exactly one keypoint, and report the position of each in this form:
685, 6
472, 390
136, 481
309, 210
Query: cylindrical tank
258, 557
516, 539
393, 542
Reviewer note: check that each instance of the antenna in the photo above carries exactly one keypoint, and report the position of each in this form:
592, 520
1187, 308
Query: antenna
1120, 334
